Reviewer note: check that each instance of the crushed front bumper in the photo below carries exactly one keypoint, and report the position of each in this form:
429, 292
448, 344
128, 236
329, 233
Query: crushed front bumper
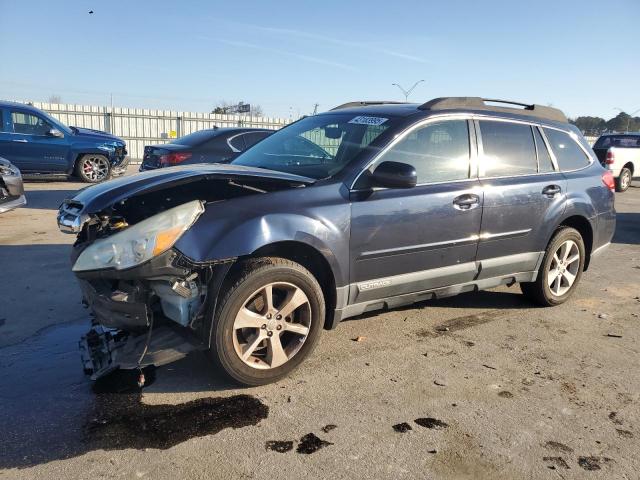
105, 350
120, 167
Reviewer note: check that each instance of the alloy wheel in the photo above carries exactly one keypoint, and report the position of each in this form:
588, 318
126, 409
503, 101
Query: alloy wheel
625, 180
563, 268
272, 325
95, 168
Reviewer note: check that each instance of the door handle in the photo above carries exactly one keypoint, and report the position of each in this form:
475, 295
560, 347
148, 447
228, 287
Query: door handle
466, 201
551, 190
21, 141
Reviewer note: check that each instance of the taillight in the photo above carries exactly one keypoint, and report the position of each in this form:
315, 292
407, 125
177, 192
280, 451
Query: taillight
174, 158
609, 182
611, 157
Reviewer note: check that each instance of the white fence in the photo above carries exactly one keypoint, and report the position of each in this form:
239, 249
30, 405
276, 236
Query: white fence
140, 127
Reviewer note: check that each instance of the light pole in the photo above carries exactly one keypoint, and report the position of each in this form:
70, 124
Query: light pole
406, 93
630, 116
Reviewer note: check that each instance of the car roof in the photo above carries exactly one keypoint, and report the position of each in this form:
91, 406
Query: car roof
473, 105
25, 106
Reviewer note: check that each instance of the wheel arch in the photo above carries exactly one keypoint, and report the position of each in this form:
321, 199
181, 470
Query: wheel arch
630, 166
311, 259
584, 227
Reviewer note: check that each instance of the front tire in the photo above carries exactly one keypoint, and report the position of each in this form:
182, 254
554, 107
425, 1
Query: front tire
93, 168
268, 321
624, 180
560, 271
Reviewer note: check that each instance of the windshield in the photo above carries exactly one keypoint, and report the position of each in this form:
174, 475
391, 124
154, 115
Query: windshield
196, 138
316, 147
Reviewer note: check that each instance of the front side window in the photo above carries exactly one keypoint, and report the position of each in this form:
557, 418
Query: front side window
29, 124
317, 147
569, 155
439, 151
508, 149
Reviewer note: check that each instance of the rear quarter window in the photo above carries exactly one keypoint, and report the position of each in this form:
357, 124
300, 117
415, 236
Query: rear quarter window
569, 155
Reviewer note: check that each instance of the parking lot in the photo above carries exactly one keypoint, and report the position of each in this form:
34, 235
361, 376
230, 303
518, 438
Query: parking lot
481, 385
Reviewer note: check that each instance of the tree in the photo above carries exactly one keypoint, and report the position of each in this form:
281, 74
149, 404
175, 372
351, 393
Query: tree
623, 122
55, 98
590, 125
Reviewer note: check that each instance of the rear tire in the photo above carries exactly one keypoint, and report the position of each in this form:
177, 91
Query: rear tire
268, 320
93, 168
560, 271
624, 180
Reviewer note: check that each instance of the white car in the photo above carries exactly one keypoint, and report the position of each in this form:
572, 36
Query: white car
620, 153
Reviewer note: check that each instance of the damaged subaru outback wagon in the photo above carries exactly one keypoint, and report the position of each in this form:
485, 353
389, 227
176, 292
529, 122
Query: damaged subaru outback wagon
371, 205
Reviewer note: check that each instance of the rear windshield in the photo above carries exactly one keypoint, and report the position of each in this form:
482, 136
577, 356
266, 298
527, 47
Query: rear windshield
318, 146
196, 138
624, 141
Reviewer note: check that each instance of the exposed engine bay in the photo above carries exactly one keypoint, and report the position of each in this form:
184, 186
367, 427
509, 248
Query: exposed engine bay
166, 295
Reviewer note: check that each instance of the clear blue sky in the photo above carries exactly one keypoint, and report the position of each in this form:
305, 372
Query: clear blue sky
581, 56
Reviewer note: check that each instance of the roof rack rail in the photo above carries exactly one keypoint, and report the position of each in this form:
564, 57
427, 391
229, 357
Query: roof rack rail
478, 103
366, 103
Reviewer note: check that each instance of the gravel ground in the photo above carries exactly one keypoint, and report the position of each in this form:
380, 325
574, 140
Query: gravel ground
478, 386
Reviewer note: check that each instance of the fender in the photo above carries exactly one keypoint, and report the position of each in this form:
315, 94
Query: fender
239, 227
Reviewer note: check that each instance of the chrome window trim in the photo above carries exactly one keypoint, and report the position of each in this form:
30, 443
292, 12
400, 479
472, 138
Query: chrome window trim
401, 135
554, 160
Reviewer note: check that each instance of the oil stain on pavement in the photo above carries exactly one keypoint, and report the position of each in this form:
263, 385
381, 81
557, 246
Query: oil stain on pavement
49, 412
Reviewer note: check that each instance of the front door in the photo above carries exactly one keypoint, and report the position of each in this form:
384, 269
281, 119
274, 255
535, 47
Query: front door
31, 149
524, 195
410, 240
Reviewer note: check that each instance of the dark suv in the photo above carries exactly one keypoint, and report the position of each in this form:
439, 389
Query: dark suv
397, 203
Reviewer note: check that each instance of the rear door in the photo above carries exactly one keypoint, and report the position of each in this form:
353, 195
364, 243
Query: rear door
31, 149
523, 193
411, 240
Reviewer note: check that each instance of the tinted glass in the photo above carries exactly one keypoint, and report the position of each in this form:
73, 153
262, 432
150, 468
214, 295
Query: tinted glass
439, 152
318, 146
29, 124
252, 138
544, 159
508, 149
2, 125
237, 142
196, 138
623, 141
569, 155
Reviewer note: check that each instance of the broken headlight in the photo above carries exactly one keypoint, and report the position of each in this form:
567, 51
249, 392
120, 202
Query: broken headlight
140, 242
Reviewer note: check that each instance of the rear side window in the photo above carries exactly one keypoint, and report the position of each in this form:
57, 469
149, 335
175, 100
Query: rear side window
237, 143
569, 155
439, 152
2, 125
508, 149
544, 159
252, 138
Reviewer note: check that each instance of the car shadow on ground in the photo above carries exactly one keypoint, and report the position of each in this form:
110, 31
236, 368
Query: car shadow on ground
627, 228
47, 199
51, 411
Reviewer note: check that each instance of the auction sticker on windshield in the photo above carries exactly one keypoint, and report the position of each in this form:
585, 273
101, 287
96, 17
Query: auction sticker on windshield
364, 120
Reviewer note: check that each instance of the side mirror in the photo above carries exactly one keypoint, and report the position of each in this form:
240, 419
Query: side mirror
394, 175
54, 132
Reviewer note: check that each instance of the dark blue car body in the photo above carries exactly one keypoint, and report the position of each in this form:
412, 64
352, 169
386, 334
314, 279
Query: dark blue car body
30, 146
369, 246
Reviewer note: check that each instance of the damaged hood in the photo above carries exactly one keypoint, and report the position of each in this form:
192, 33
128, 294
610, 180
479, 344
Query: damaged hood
98, 197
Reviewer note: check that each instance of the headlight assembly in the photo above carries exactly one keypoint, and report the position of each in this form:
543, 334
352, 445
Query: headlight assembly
140, 242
